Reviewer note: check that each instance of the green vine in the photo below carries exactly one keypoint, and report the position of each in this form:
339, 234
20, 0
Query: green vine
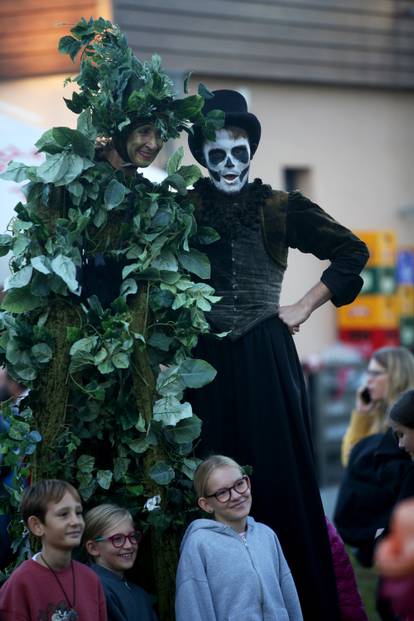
105, 408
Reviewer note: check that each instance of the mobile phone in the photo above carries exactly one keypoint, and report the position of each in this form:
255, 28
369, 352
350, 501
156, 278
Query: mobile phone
366, 396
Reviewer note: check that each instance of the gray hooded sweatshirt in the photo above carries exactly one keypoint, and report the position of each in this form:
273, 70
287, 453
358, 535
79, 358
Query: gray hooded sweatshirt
222, 577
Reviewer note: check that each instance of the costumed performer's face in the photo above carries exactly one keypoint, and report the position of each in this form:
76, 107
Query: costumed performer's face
143, 145
228, 159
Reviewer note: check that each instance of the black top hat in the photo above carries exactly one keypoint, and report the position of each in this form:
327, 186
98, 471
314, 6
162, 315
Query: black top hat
235, 111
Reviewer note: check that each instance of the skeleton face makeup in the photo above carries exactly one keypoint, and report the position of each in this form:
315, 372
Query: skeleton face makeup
228, 160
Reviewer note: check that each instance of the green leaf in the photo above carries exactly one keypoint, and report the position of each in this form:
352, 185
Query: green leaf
104, 478
186, 82
6, 242
120, 361
19, 279
69, 45
190, 174
86, 126
169, 411
204, 91
165, 261
206, 235
66, 270
16, 171
196, 373
20, 245
53, 169
42, 353
20, 301
174, 162
81, 145
120, 467
41, 264
138, 446
185, 431
161, 473
85, 463
195, 262
177, 182
114, 194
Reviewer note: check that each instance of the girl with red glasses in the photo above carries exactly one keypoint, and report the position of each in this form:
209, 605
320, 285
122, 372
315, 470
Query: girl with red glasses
111, 542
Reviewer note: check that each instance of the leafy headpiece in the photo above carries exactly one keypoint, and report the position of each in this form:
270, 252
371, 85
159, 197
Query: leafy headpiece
119, 90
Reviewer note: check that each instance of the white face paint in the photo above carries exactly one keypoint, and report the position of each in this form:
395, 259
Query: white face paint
228, 161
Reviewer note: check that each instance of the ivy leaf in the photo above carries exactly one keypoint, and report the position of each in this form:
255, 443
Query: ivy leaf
6, 243
65, 268
175, 160
196, 373
195, 262
120, 467
42, 353
161, 473
16, 171
165, 261
85, 463
204, 91
120, 360
69, 45
206, 235
114, 194
41, 264
138, 446
185, 431
19, 279
104, 478
20, 301
53, 169
170, 411
190, 174
81, 144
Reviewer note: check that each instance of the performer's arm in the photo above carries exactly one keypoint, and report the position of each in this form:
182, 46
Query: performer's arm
295, 314
312, 230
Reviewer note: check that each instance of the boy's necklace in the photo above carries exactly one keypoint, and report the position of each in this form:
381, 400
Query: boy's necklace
74, 614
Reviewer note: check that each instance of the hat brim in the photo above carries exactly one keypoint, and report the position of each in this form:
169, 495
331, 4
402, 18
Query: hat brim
245, 120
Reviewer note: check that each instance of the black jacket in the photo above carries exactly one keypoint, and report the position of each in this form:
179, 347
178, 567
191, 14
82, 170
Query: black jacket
379, 474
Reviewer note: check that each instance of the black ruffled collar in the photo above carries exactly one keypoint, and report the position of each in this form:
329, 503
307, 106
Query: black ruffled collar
228, 214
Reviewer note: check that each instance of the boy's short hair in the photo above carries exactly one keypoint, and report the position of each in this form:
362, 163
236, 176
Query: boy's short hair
402, 411
36, 498
206, 468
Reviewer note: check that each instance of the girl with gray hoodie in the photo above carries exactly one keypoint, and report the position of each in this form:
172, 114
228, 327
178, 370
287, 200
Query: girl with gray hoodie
231, 568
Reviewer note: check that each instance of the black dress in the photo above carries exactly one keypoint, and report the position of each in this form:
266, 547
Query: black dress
256, 410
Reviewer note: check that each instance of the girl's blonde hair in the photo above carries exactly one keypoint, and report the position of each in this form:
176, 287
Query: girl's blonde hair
101, 518
207, 467
399, 365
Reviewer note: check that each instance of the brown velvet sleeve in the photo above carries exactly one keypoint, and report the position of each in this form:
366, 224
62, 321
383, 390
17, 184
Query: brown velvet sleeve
310, 229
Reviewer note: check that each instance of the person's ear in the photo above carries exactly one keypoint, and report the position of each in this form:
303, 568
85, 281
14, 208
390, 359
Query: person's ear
204, 504
36, 526
92, 548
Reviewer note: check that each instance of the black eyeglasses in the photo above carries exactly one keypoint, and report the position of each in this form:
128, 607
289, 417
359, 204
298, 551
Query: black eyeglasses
118, 540
224, 495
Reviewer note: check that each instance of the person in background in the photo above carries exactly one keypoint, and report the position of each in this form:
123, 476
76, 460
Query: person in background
231, 567
52, 586
111, 542
390, 372
394, 560
350, 602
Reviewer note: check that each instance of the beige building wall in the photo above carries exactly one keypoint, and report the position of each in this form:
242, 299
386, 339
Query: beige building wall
359, 148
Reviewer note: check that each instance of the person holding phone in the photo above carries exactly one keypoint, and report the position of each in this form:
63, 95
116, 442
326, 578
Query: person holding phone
390, 372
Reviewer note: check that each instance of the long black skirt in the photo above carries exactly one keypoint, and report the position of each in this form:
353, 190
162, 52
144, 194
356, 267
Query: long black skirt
256, 411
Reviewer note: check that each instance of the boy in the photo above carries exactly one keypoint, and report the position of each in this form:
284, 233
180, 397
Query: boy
51, 586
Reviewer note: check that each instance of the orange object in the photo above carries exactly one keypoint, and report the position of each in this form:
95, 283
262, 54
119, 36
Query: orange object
405, 297
370, 312
382, 246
